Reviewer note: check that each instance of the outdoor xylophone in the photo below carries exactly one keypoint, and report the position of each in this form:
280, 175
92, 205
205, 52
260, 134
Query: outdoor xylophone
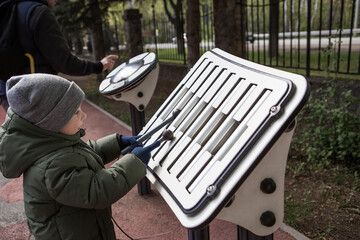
230, 142
229, 125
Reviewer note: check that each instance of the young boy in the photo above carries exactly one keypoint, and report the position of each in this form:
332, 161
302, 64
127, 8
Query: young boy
67, 191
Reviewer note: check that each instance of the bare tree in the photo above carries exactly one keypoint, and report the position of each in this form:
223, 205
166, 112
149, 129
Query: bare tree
300, 11
177, 20
97, 30
90, 14
315, 12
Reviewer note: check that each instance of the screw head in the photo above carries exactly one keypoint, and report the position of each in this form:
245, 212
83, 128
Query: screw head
268, 185
268, 219
210, 190
274, 110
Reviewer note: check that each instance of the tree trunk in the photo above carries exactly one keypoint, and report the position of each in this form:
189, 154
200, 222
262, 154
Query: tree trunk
274, 28
220, 25
178, 22
230, 26
193, 32
134, 44
97, 34
78, 43
237, 28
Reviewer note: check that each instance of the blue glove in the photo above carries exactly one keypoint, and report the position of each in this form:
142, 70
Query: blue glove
128, 141
144, 153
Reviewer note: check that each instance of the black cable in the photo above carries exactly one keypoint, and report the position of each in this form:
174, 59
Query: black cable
121, 228
151, 236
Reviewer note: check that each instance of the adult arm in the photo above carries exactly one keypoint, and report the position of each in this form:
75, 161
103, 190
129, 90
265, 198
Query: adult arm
53, 46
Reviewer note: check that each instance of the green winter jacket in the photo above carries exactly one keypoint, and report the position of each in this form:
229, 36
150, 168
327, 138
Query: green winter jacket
67, 191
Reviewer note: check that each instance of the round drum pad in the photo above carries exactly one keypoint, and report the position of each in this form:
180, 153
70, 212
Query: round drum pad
129, 74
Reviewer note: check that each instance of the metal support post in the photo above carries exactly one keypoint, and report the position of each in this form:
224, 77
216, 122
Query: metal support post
202, 234
132, 18
137, 123
244, 234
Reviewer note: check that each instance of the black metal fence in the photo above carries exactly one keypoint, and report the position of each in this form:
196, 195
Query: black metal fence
163, 42
323, 37
168, 47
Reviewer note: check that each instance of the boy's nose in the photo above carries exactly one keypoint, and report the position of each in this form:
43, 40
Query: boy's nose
84, 116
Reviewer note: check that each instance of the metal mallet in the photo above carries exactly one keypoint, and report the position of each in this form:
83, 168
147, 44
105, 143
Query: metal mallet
153, 131
166, 135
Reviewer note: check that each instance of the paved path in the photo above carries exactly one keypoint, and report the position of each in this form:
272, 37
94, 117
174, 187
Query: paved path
138, 216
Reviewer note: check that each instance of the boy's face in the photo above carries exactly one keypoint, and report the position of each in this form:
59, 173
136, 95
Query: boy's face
73, 126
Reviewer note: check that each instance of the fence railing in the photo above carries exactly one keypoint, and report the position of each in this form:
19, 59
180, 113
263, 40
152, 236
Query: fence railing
319, 38
324, 37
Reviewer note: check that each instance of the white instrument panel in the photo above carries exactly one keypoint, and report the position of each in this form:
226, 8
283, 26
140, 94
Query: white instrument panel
231, 113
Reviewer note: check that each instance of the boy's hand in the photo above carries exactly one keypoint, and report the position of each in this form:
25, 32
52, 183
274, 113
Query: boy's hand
129, 141
144, 153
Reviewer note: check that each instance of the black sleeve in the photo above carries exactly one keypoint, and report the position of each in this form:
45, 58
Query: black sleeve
51, 43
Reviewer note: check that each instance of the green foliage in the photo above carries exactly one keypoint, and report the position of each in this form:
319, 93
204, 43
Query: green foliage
76, 15
328, 129
297, 211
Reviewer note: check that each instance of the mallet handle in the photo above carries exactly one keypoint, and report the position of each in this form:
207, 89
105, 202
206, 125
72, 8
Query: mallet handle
151, 132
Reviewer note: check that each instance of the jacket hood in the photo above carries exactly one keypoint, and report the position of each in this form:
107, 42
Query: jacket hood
22, 144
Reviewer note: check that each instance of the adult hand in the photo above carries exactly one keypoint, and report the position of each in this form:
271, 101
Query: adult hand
108, 62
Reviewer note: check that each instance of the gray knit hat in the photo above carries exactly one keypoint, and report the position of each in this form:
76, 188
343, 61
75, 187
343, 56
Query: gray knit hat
48, 101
